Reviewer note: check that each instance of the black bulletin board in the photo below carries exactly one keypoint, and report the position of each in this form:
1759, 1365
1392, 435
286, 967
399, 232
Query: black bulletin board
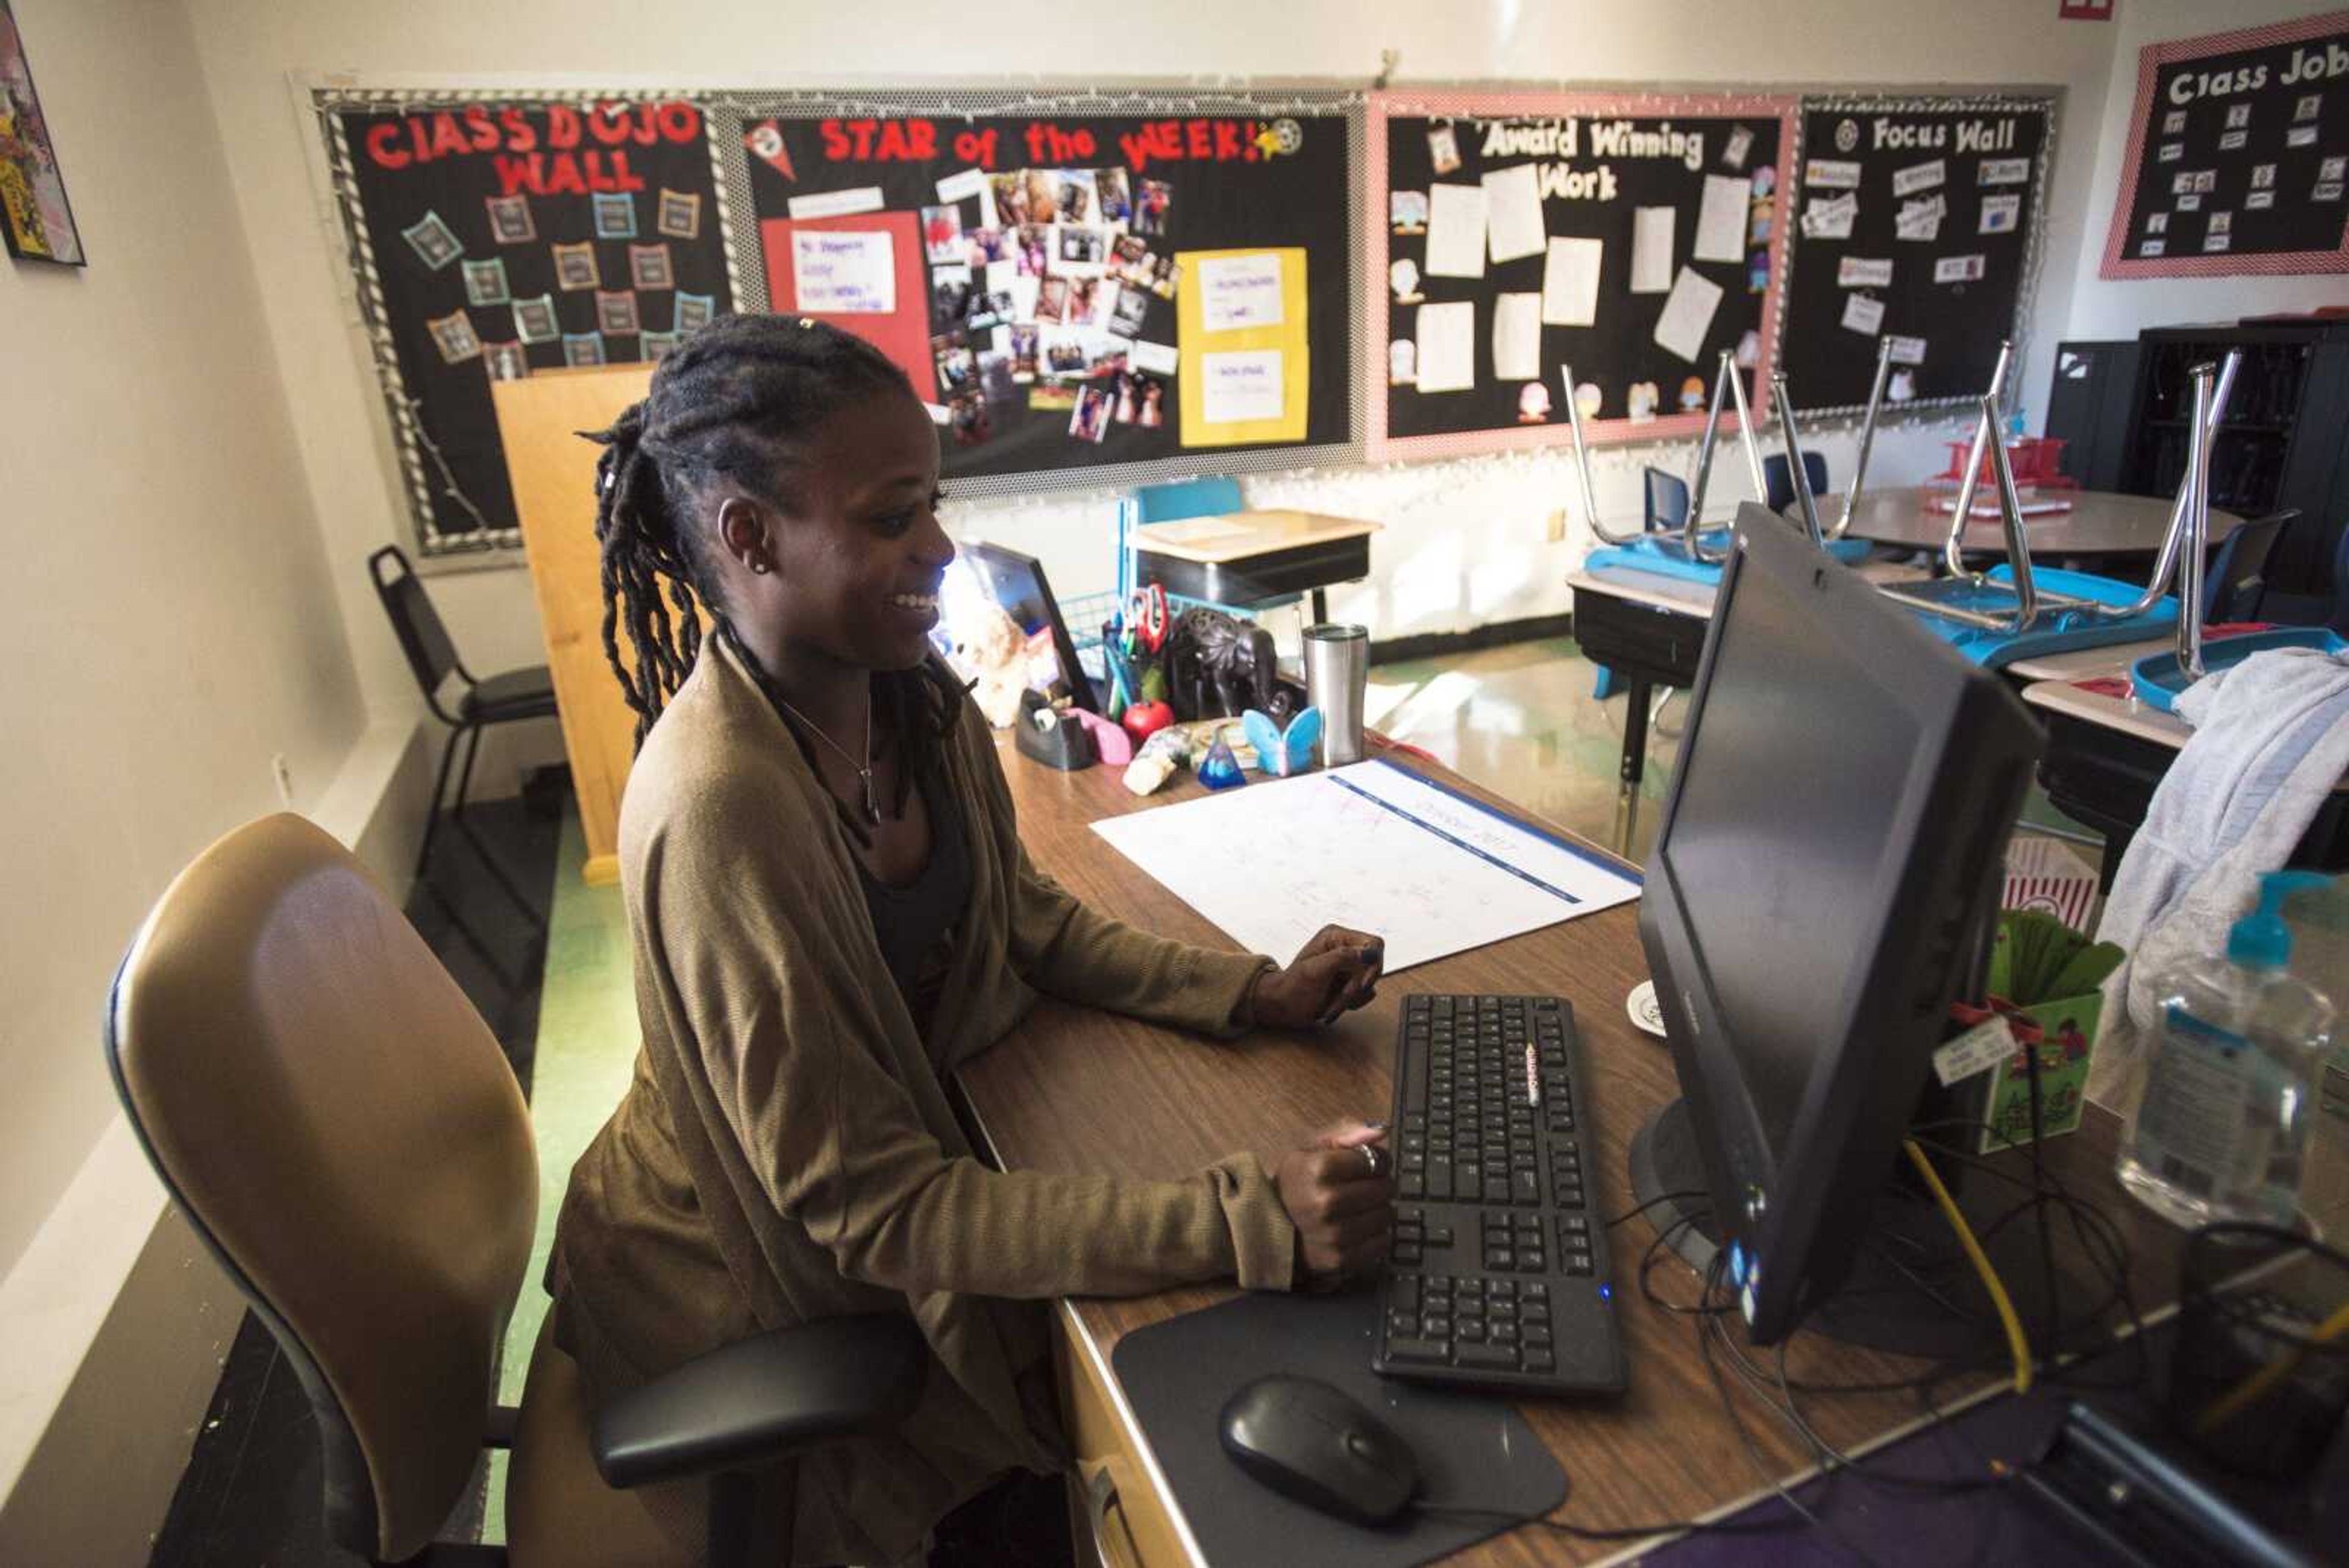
501, 237
1957, 283
1598, 161
2238, 155
1208, 173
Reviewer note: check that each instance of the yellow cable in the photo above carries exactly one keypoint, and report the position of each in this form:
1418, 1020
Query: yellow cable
2269, 1375
2015, 1342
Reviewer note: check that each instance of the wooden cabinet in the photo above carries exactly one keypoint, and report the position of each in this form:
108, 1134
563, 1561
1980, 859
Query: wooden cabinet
1121, 1515
554, 474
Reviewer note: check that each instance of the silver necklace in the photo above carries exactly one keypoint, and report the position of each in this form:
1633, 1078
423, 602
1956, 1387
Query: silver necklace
864, 769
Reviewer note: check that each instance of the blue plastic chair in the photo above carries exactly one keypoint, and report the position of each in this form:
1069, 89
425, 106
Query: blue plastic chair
1667, 501
2330, 607
2237, 580
1210, 495
1778, 489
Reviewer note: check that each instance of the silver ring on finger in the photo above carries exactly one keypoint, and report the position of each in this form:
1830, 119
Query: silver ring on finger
1375, 1158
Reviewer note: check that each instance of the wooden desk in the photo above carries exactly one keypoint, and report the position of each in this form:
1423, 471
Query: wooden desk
2099, 524
1247, 557
1075, 1090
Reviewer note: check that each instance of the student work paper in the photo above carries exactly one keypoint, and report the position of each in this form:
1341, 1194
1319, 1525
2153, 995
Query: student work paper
1688, 314
1651, 249
1513, 214
1516, 337
844, 272
1372, 847
1570, 283
1447, 346
1455, 231
1237, 291
1721, 221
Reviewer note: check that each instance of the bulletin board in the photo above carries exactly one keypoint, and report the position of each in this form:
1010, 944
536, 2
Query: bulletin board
1632, 237
1917, 220
491, 237
1092, 287
2237, 157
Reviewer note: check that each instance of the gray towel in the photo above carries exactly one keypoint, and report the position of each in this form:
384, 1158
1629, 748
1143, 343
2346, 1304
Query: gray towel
2270, 741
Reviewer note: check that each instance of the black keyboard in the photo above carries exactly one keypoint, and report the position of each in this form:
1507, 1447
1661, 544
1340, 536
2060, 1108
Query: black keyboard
1498, 1274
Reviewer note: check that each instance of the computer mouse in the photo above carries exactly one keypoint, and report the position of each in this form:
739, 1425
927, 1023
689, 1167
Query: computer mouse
1309, 1441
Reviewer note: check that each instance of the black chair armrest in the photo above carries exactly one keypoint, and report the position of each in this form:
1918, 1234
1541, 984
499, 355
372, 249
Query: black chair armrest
761, 1398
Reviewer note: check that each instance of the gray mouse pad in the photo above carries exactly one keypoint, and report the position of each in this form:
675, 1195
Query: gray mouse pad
1472, 1451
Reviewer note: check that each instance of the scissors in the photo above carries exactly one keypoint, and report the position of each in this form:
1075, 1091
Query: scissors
1149, 621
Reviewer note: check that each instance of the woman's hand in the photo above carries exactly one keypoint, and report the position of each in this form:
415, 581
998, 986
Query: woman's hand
1336, 972
1339, 1195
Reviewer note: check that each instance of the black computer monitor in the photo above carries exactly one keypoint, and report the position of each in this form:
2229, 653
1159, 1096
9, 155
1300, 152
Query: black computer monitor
1825, 878
1017, 582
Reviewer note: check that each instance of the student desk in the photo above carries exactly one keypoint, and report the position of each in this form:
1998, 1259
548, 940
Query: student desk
1247, 557
2099, 524
1076, 1090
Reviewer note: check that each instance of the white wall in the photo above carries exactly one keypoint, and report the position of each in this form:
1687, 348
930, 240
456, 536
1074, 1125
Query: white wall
2106, 309
1491, 512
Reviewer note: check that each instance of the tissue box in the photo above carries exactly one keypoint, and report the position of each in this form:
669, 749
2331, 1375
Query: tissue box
2060, 1031
2047, 874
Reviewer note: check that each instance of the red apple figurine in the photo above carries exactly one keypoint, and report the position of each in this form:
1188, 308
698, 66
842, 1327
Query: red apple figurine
1143, 719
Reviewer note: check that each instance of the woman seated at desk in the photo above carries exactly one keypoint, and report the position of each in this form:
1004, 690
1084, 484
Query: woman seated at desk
831, 911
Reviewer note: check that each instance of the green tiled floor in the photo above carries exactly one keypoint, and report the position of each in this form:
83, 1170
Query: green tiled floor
588, 1040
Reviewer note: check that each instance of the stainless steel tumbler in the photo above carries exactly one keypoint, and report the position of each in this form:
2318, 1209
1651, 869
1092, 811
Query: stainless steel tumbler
1336, 677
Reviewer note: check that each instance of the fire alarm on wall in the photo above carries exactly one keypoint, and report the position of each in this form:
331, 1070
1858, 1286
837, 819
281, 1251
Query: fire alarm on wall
2085, 10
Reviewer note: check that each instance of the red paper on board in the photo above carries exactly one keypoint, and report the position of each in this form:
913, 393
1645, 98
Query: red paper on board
903, 334
2085, 11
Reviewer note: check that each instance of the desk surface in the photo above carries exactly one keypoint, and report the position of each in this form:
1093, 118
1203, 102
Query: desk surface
1238, 535
1693, 597
2099, 524
1075, 1090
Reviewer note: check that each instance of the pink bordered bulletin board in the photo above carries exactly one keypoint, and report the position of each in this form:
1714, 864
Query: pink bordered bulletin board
1631, 189
2237, 151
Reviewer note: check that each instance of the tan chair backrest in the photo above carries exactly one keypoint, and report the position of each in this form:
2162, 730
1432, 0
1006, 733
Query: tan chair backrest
338, 1122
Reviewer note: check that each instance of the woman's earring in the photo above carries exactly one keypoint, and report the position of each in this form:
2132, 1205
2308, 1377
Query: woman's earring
760, 564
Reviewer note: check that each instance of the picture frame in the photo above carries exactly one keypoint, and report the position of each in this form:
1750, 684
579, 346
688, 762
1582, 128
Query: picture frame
36, 219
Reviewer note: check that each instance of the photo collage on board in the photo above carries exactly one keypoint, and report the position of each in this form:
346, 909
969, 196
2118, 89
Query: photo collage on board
1056, 297
1623, 246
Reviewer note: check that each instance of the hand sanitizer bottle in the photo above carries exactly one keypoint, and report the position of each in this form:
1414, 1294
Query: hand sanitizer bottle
2222, 1130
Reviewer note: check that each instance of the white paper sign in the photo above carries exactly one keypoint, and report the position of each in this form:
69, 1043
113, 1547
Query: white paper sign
2259, 199
1651, 249
1455, 231
1721, 221
1157, 359
1979, 1049
961, 187
836, 204
1862, 314
1512, 214
1735, 151
1830, 218
1919, 177
1688, 314
1234, 387
1516, 337
1570, 283
2005, 171
2191, 202
1958, 269
2000, 214
1237, 292
1862, 271
1831, 174
1906, 350
844, 272
1447, 346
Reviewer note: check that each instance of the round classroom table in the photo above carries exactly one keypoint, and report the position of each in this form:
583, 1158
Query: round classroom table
2099, 524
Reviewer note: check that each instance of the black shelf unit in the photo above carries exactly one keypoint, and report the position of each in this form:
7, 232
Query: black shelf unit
2124, 408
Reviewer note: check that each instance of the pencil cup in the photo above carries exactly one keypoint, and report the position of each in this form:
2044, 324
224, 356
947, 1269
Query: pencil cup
1337, 679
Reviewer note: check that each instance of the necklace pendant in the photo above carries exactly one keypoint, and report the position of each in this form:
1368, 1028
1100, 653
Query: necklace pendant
871, 807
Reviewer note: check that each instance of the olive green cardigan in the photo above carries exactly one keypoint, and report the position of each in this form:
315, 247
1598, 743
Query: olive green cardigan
787, 1152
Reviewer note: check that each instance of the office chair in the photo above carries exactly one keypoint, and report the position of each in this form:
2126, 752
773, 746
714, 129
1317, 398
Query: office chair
2238, 576
1667, 501
1210, 495
338, 1126
2328, 608
507, 698
1779, 490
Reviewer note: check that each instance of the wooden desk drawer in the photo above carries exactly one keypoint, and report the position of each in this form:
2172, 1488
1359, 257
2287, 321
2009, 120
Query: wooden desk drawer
1115, 1501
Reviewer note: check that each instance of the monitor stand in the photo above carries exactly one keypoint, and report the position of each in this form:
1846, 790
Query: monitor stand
1911, 1291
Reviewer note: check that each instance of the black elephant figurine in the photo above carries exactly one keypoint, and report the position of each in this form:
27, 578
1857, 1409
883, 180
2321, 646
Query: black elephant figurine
1219, 666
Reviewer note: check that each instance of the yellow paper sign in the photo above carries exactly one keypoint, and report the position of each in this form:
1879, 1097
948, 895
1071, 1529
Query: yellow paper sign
1240, 316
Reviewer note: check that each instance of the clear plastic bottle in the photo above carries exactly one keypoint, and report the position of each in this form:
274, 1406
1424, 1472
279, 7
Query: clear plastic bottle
2222, 1129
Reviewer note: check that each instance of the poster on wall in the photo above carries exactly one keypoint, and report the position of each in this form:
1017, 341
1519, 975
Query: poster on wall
1916, 222
1077, 291
1514, 235
2239, 155
498, 238
35, 217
